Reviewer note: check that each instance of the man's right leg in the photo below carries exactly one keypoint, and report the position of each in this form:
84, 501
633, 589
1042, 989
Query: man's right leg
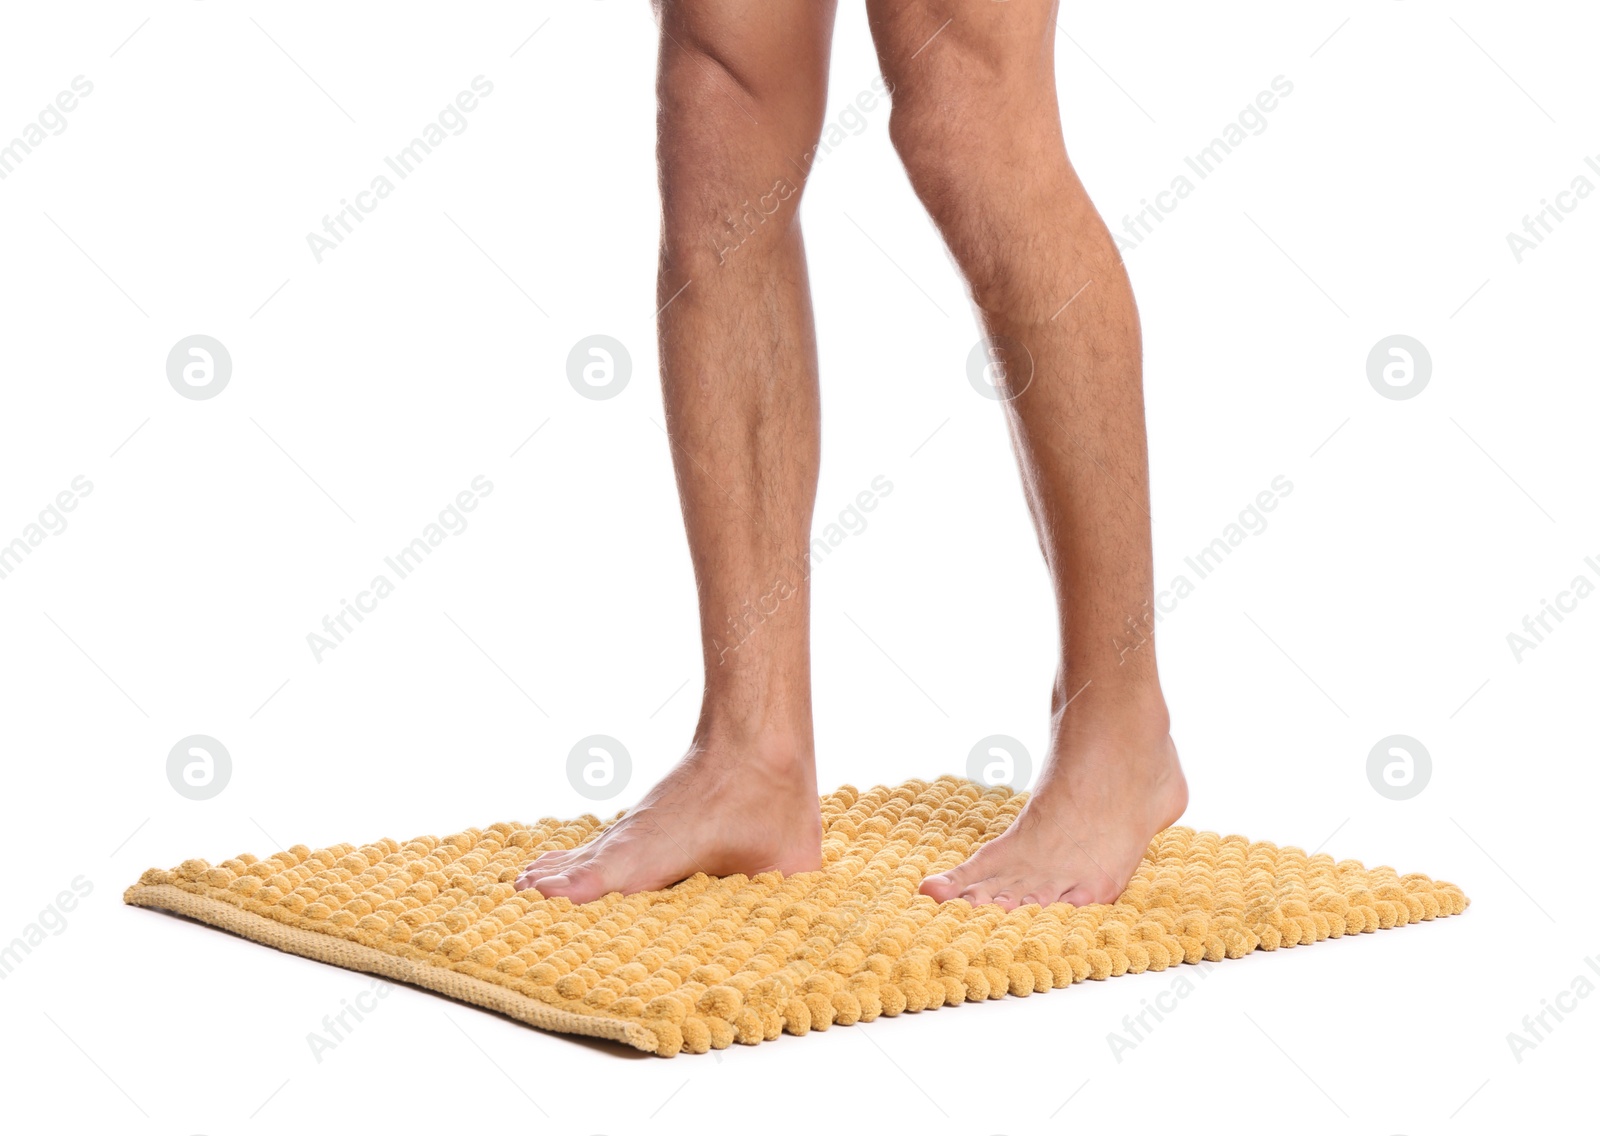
742, 95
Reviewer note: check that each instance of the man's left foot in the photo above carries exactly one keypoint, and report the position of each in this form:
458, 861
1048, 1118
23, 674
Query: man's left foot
1112, 783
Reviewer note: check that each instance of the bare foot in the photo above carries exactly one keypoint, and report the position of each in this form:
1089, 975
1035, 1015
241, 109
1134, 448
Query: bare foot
1113, 781
724, 809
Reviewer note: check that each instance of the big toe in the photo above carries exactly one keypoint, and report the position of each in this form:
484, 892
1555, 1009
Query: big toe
543, 867
1088, 893
531, 877
580, 885
944, 886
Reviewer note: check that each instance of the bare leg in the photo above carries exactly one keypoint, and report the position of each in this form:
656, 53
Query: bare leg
976, 122
741, 105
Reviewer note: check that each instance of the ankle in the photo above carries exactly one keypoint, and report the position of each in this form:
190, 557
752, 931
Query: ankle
1116, 699
779, 743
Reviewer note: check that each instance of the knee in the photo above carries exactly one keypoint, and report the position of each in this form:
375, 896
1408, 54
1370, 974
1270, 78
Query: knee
959, 175
932, 149
968, 101
727, 156
986, 159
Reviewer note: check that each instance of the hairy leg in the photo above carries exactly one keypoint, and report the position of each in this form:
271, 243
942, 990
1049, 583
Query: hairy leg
741, 101
976, 122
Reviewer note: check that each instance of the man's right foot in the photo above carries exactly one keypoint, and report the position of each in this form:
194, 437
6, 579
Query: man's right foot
725, 809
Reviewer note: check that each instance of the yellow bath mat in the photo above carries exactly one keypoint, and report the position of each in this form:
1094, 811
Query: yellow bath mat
717, 960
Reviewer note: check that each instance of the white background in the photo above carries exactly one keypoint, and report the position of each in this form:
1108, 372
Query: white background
369, 389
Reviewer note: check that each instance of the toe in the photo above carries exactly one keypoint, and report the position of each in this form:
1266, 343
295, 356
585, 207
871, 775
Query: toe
531, 878
944, 886
978, 894
557, 856
540, 869
1005, 900
1079, 895
580, 884
1073, 895
544, 863
554, 861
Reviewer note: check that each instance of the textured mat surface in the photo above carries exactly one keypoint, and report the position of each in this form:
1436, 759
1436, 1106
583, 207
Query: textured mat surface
713, 961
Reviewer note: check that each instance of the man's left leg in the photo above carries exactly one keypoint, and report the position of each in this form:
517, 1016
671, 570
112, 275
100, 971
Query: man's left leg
976, 122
